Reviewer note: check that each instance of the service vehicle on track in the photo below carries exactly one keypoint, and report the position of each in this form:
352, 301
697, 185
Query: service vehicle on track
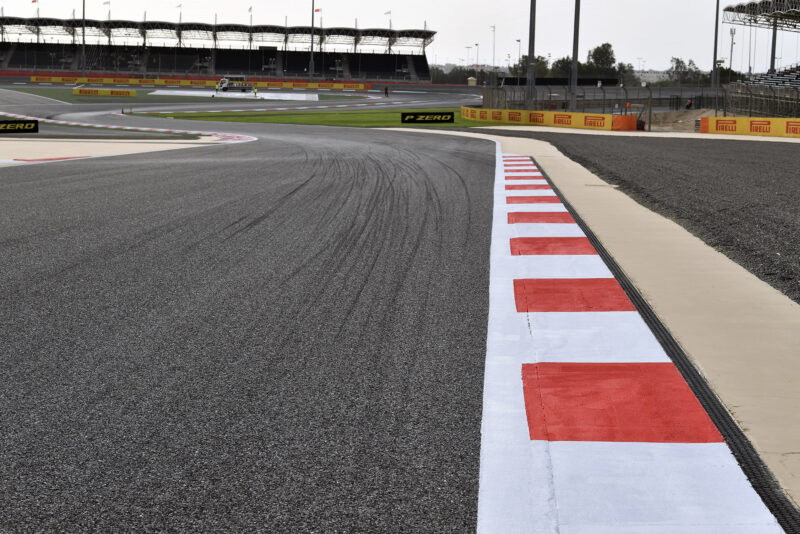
234, 83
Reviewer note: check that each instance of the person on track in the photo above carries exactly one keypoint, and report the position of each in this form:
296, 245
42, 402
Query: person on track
386, 91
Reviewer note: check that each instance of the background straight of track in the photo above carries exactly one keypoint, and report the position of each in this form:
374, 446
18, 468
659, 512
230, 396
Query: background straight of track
283, 335
19, 102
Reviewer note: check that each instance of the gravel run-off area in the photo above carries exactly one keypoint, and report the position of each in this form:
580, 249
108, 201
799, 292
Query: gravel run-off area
740, 197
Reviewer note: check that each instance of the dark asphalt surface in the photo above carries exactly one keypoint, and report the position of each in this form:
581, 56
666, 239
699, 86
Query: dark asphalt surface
740, 197
280, 336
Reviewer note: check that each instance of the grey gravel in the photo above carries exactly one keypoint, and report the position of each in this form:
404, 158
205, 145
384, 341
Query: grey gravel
740, 197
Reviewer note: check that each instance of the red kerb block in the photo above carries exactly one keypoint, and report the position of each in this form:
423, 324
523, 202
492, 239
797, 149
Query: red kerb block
528, 187
522, 217
538, 199
570, 295
551, 246
613, 402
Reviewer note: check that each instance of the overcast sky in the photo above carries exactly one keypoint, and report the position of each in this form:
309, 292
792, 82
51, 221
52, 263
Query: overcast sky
643, 32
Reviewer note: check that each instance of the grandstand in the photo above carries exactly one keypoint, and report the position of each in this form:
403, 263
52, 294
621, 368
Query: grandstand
775, 93
789, 77
192, 49
777, 15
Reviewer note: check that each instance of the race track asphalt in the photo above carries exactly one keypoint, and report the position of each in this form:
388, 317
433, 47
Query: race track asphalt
740, 197
279, 336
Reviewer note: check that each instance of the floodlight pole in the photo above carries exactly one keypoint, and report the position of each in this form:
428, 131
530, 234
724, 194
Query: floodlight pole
311, 61
774, 45
493, 27
531, 55
715, 72
477, 59
83, 40
715, 67
574, 78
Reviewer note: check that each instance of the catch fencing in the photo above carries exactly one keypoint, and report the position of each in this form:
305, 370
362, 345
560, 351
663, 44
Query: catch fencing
601, 99
744, 100
737, 99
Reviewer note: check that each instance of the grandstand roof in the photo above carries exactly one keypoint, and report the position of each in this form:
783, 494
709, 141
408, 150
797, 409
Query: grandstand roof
764, 13
34, 27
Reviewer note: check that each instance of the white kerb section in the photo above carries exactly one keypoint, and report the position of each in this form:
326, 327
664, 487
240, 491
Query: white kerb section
579, 487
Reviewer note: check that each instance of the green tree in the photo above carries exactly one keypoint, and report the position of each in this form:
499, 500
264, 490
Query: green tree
540, 68
677, 71
561, 67
602, 59
684, 73
697, 76
727, 75
627, 76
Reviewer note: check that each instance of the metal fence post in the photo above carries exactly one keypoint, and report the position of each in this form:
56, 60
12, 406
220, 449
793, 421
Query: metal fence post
797, 102
603, 89
724, 102
773, 103
625, 92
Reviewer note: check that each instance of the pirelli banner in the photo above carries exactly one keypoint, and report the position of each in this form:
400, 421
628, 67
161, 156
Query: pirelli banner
85, 91
123, 81
19, 126
751, 126
588, 121
341, 86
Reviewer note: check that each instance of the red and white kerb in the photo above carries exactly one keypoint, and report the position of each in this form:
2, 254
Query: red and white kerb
587, 424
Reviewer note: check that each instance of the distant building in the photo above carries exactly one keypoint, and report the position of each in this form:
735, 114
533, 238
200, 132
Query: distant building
652, 76
447, 67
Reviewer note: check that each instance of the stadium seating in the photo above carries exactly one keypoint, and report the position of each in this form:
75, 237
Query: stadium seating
785, 78
264, 61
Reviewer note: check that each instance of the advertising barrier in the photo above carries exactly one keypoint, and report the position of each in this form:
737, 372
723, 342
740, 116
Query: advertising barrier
342, 86
558, 119
19, 126
83, 91
314, 85
428, 117
764, 126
